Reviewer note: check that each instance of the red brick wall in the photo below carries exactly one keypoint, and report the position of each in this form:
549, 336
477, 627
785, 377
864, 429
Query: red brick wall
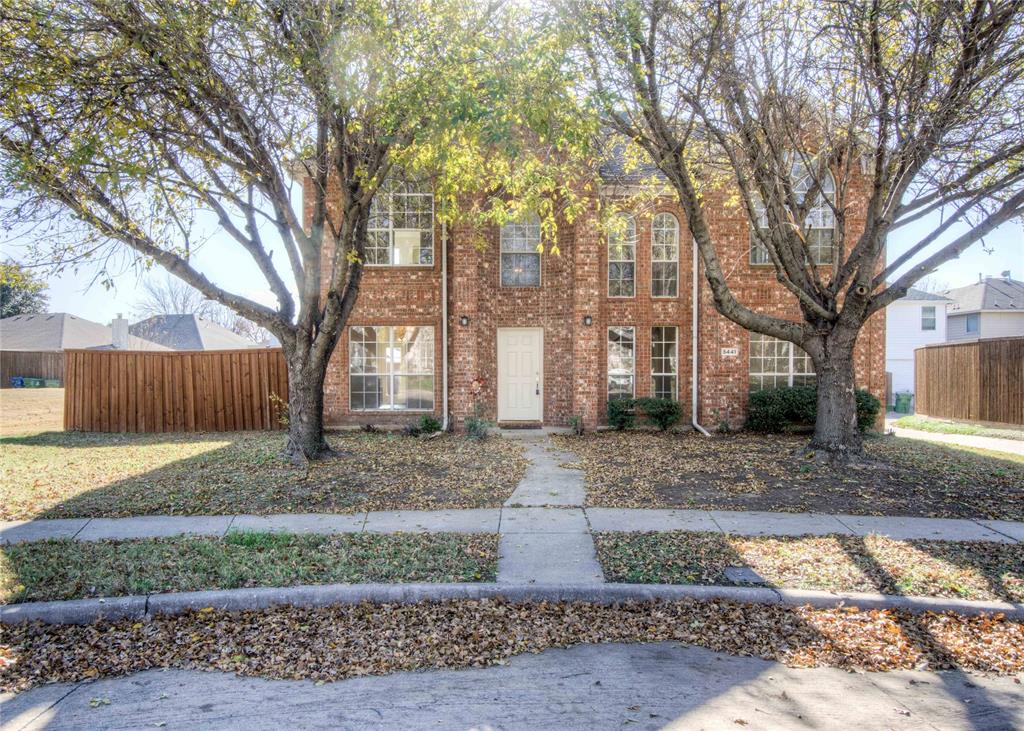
574, 285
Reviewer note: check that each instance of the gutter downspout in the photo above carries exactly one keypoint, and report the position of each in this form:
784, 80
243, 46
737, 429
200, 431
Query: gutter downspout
693, 357
444, 326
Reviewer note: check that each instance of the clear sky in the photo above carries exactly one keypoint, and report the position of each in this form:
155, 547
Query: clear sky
225, 263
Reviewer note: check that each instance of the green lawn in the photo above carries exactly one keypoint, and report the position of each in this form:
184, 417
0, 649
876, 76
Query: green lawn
70, 474
936, 426
67, 569
964, 570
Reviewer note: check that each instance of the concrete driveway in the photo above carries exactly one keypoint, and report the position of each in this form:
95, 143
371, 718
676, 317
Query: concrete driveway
613, 686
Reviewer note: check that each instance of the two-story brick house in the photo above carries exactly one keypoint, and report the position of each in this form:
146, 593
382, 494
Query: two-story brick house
533, 339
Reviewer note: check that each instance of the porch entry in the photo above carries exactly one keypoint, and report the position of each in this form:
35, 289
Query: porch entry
520, 374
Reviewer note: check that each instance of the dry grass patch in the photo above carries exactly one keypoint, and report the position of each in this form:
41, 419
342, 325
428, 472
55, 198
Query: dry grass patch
63, 475
30, 410
331, 643
756, 472
67, 569
956, 569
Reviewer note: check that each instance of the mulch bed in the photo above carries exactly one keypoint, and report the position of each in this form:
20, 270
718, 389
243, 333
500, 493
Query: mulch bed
331, 643
958, 569
69, 569
69, 475
754, 472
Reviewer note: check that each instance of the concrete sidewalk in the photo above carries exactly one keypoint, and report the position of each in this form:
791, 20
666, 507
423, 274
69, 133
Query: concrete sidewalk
587, 687
493, 520
1011, 446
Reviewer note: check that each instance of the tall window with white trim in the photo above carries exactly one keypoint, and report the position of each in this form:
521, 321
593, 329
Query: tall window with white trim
664, 362
622, 258
775, 363
391, 368
400, 231
621, 363
520, 253
664, 256
819, 225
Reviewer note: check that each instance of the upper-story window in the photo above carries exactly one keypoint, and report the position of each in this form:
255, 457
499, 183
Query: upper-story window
401, 226
664, 256
928, 318
520, 253
622, 258
819, 226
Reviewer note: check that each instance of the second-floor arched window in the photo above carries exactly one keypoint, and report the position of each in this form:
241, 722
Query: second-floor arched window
664, 256
819, 225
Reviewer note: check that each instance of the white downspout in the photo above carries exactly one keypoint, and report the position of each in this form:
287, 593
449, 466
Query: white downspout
444, 326
693, 358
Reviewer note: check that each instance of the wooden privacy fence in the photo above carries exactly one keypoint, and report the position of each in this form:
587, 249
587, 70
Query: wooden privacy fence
978, 381
142, 391
32, 363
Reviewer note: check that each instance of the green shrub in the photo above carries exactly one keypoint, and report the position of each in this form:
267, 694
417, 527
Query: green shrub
662, 412
622, 413
477, 426
868, 407
777, 409
428, 424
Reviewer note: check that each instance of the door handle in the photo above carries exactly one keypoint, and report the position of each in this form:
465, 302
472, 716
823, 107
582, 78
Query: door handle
537, 389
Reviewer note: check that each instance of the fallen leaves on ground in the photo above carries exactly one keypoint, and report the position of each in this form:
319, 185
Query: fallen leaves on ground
68, 474
331, 643
69, 569
639, 469
959, 569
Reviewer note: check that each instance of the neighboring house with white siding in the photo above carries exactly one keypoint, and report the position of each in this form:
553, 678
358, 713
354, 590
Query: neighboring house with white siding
991, 308
916, 320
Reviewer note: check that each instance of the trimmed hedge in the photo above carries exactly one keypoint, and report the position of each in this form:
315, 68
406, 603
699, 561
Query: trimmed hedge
661, 412
777, 409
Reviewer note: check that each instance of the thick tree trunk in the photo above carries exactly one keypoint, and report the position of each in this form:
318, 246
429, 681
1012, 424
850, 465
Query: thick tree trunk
836, 436
306, 440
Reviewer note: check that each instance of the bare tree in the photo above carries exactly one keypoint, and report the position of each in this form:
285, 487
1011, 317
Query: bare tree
170, 296
832, 125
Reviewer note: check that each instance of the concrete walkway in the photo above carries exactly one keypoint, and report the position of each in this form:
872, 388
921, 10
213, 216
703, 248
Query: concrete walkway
548, 545
1012, 446
587, 687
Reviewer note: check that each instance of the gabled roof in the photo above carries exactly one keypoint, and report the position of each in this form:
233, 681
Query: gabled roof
919, 295
189, 332
990, 294
57, 331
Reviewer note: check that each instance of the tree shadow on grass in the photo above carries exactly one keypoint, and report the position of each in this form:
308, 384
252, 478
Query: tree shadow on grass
57, 475
920, 633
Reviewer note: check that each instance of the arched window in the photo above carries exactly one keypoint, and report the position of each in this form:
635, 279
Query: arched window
520, 253
819, 226
622, 258
664, 256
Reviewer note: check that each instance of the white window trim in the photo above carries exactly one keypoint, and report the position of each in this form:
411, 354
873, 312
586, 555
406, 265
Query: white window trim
967, 322
391, 340
391, 234
665, 261
607, 362
675, 359
501, 263
632, 261
792, 364
934, 318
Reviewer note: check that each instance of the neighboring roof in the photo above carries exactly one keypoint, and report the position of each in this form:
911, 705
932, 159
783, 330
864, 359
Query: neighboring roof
614, 168
56, 331
990, 294
919, 295
189, 332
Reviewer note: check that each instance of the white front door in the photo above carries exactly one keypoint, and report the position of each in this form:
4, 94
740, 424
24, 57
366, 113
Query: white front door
520, 374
